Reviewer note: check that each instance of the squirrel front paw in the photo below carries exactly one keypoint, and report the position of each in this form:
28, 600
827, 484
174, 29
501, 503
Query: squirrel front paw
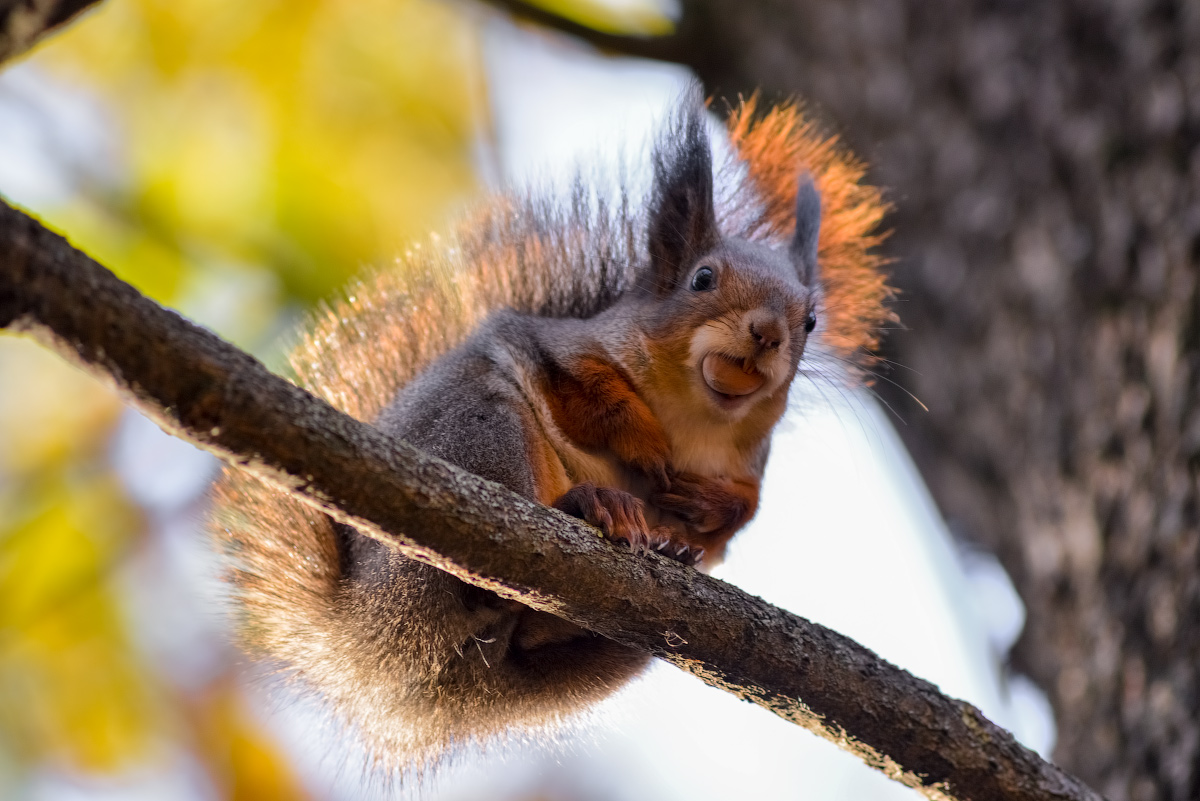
619, 516
622, 518
708, 506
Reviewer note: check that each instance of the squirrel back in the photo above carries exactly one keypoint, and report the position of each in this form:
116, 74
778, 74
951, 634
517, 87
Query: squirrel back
413, 660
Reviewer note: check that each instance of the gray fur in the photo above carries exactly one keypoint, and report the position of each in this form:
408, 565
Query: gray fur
808, 227
683, 222
497, 663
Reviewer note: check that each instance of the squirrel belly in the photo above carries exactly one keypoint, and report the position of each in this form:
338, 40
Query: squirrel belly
626, 366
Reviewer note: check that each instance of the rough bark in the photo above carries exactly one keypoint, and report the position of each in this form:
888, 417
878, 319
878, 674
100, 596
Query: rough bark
24, 22
1044, 158
202, 389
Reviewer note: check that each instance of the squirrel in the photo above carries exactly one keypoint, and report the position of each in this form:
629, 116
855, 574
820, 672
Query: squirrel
624, 365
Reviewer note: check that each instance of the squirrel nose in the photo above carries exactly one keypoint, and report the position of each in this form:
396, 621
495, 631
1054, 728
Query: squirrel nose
767, 333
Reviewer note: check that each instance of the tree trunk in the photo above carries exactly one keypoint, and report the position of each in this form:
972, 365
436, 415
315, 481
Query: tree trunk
1043, 161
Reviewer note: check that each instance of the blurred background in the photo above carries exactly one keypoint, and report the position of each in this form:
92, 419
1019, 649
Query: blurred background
238, 162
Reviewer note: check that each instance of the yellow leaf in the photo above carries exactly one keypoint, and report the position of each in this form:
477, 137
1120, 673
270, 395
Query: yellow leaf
309, 137
49, 410
240, 756
72, 691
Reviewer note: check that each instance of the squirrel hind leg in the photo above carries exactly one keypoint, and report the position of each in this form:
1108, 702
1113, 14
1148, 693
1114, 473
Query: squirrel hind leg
459, 663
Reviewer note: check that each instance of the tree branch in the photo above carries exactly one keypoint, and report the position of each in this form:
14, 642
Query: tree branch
24, 22
208, 392
675, 47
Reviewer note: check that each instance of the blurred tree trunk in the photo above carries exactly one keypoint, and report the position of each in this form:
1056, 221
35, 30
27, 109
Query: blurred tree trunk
1044, 162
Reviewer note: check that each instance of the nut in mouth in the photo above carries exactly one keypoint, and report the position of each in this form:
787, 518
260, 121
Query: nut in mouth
731, 378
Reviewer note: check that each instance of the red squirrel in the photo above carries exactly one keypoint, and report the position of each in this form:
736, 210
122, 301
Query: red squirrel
624, 365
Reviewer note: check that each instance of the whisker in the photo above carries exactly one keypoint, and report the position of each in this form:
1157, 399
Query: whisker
882, 377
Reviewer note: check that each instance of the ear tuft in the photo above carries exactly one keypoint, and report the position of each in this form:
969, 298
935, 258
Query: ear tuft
808, 228
682, 222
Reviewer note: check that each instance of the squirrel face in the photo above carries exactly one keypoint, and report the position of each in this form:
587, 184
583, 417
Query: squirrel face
731, 333
747, 317
729, 318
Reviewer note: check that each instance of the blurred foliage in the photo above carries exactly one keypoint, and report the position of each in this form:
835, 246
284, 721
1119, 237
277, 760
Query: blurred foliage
71, 690
250, 767
308, 137
264, 152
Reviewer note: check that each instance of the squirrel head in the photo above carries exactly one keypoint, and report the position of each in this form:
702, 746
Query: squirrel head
728, 318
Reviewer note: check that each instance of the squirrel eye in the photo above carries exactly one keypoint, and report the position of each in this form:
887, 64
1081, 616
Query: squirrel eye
704, 280
810, 322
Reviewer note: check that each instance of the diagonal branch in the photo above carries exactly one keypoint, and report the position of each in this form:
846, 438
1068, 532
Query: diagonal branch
202, 389
24, 22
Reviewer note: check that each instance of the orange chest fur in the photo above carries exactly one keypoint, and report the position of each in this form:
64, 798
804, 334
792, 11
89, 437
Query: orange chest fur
599, 429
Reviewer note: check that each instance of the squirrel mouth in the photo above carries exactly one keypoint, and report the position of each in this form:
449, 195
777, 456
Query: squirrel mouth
732, 379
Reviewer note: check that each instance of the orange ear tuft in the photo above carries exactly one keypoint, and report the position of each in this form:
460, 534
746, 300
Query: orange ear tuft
775, 147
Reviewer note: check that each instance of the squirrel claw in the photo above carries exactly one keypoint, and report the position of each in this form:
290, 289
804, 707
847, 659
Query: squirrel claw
619, 516
690, 555
681, 552
638, 542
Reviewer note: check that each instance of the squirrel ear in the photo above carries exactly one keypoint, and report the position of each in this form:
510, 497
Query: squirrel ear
808, 227
683, 223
